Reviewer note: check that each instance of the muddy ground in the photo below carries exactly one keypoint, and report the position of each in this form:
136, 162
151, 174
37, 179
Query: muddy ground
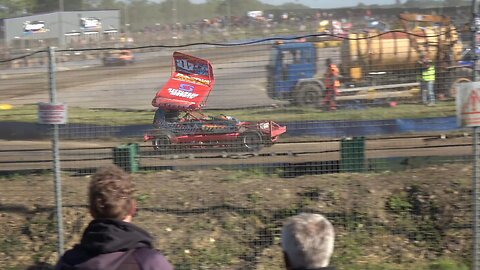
217, 219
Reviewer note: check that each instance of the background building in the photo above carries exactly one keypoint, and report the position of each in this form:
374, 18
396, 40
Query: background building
64, 29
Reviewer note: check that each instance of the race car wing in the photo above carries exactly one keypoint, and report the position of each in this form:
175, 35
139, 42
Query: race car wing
189, 85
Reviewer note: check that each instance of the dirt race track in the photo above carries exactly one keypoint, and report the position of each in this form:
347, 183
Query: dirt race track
240, 81
240, 73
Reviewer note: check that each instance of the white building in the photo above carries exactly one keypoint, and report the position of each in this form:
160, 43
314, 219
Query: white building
60, 28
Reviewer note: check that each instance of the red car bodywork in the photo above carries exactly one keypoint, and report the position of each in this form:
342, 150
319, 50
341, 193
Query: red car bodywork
187, 91
189, 85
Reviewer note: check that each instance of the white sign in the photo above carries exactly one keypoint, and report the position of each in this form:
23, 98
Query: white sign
468, 104
255, 14
34, 27
52, 113
90, 23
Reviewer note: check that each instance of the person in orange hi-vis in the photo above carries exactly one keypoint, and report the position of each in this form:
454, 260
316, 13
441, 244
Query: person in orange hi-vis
331, 85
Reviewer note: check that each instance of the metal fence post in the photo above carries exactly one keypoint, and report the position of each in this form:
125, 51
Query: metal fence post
475, 189
476, 209
55, 150
126, 157
352, 154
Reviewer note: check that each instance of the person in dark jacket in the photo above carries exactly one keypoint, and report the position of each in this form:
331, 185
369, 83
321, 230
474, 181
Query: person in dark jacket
307, 242
111, 241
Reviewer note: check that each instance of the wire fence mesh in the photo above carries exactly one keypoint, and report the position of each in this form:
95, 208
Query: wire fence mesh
392, 173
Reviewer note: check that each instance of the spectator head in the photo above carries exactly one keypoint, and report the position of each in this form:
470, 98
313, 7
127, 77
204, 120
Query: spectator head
307, 241
111, 194
328, 61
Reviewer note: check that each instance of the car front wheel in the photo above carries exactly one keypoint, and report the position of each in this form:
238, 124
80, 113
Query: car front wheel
251, 141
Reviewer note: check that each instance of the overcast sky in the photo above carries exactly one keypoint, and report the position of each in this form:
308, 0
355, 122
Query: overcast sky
322, 3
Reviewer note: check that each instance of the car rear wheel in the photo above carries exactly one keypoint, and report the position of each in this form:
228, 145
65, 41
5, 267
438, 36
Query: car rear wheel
251, 141
161, 143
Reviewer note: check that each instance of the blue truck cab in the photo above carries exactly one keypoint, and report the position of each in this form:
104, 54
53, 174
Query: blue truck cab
467, 57
291, 73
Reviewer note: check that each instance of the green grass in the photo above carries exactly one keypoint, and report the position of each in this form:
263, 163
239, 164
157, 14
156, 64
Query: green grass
281, 114
440, 264
374, 113
77, 115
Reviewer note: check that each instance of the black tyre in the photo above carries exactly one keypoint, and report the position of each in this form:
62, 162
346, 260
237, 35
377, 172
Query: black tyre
161, 143
251, 141
308, 95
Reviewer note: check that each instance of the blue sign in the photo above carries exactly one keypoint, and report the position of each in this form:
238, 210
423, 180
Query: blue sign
191, 67
186, 87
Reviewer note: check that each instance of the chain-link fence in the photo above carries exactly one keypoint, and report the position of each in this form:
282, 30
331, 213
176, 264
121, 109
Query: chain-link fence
385, 163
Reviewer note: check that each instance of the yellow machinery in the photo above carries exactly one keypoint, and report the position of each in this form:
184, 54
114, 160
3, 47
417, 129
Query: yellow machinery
373, 51
371, 61
397, 52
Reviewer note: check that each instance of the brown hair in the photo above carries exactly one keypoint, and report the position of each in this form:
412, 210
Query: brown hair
111, 193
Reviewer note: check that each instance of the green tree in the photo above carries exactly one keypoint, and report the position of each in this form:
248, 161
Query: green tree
42, 6
453, 3
21, 7
291, 6
422, 3
12, 8
142, 13
75, 5
185, 11
239, 8
108, 4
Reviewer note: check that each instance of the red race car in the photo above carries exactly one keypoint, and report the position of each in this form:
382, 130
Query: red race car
186, 93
